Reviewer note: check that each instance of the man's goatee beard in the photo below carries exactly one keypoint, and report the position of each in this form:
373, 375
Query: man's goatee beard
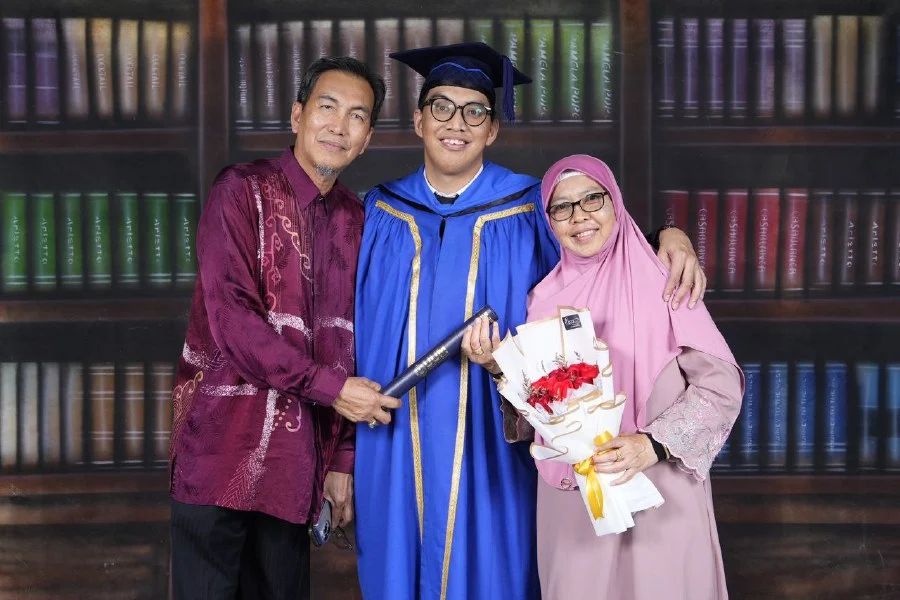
326, 172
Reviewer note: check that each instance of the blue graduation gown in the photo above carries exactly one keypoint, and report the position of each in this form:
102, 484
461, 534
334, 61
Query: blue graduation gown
445, 506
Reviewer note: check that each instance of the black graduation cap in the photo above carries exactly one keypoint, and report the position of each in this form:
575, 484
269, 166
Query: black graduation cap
475, 65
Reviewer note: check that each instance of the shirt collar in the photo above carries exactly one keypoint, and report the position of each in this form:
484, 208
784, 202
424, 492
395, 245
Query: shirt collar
459, 191
304, 188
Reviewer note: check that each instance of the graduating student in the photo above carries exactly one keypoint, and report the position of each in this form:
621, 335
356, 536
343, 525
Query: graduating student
446, 507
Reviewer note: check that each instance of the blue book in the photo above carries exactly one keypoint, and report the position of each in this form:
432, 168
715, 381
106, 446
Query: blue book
776, 455
835, 441
723, 458
805, 416
892, 399
748, 421
867, 380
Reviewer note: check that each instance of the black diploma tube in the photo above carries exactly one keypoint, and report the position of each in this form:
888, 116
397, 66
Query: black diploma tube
449, 346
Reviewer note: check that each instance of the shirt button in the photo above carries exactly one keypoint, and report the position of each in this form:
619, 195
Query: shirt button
566, 483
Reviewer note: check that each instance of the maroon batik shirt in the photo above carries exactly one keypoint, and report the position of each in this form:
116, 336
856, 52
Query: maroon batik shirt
269, 343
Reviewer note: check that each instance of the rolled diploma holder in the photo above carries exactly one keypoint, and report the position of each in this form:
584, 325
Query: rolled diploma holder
446, 348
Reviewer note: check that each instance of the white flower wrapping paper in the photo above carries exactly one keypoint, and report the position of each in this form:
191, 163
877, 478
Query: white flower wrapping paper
589, 415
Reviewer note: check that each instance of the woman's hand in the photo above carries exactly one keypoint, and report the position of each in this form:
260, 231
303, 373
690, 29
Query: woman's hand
630, 453
478, 344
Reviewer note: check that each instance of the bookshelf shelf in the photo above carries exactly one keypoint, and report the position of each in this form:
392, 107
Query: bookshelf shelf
794, 484
679, 136
395, 139
112, 482
94, 310
875, 310
119, 140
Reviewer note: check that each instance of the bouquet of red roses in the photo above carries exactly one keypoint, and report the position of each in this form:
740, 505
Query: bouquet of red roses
559, 377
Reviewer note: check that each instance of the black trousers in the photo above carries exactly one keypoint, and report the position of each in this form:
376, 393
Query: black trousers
224, 554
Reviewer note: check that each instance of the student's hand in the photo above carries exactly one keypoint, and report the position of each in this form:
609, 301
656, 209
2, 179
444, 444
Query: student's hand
359, 400
478, 344
677, 254
628, 453
339, 491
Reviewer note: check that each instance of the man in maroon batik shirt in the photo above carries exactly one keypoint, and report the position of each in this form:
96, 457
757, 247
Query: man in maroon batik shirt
264, 405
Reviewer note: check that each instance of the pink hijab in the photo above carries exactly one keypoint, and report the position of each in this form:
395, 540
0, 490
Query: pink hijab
623, 286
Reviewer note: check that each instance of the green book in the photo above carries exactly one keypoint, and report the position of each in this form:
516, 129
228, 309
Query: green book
572, 69
602, 66
159, 263
129, 268
44, 248
514, 48
482, 31
15, 238
186, 228
99, 250
542, 70
72, 266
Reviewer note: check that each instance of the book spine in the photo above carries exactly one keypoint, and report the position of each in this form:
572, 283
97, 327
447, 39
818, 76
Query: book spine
867, 380
715, 68
572, 47
893, 416
794, 74
133, 404
793, 247
846, 67
293, 61
748, 421
9, 419
738, 95
44, 255
777, 422
893, 243
182, 75
690, 46
159, 263
706, 234
603, 70
765, 68
766, 205
101, 51
675, 208
267, 84
873, 230
835, 442
417, 34
15, 242
72, 263
155, 38
665, 42
542, 41
72, 395
186, 255
450, 31
243, 92
100, 259
163, 378
735, 240
822, 66
848, 239
482, 30
514, 48
103, 402
805, 416
321, 39
46, 70
129, 61
16, 70
29, 418
822, 224
387, 41
50, 434
74, 31
872, 61
129, 268
352, 37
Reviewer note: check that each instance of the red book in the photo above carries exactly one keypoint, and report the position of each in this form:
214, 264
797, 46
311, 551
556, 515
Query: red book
735, 240
848, 234
894, 242
821, 228
793, 246
872, 248
675, 208
766, 206
706, 233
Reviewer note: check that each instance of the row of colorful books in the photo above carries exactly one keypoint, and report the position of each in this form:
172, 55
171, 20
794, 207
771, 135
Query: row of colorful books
269, 59
792, 241
800, 417
58, 415
76, 71
97, 240
824, 68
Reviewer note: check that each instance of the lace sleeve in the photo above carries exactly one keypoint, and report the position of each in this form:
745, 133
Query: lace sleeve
515, 427
694, 428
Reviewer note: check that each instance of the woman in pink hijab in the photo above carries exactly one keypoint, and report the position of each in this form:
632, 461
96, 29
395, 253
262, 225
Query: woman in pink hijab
684, 392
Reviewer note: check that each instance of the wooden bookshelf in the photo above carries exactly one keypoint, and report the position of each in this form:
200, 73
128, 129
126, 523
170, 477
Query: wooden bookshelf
94, 309
813, 135
106, 140
876, 310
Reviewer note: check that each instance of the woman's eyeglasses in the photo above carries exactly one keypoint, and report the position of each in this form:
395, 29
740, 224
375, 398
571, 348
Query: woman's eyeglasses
563, 211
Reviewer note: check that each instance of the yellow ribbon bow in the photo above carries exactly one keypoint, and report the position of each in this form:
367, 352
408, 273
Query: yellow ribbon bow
586, 469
